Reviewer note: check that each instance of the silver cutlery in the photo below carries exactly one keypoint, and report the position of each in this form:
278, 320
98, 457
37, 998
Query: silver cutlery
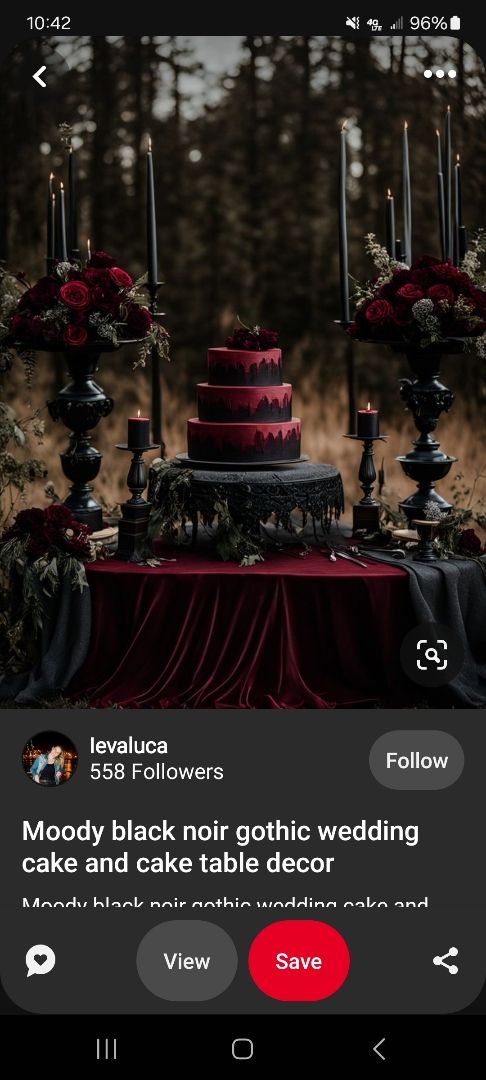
336, 553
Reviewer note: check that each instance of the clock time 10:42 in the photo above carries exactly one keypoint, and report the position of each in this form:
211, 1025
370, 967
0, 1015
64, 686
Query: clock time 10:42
57, 22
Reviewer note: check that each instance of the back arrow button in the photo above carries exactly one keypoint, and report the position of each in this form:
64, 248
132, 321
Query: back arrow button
377, 1051
37, 76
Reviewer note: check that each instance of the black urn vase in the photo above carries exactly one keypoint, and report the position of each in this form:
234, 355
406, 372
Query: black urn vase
80, 406
427, 398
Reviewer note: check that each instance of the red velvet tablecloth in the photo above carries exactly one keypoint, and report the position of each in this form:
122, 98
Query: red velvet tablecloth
286, 633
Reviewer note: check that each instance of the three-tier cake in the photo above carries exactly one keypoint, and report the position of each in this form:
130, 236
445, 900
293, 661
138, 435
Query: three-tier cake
244, 409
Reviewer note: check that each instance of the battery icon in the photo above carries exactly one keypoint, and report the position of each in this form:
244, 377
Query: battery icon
455, 23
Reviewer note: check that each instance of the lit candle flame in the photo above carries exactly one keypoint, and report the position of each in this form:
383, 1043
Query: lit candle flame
389, 194
458, 159
345, 126
437, 132
369, 407
89, 250
61, 186
405, 126
448, 108
51, 176
150, 144
138, 414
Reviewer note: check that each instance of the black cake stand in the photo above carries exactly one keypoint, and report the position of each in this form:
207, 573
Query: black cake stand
253, 495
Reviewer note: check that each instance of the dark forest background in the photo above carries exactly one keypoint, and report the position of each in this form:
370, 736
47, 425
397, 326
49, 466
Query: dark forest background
246, 175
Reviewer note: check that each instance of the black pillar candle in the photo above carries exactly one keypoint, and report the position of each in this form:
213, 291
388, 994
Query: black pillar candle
368, 426
138, 432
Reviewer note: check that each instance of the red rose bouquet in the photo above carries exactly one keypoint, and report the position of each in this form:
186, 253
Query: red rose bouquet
38, 551
76, 306
423, 304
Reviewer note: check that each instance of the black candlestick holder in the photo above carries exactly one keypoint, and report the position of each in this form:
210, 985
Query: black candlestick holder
366, 512
156, 389
133, 526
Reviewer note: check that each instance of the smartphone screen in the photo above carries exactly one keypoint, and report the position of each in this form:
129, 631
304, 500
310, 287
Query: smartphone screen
243, 540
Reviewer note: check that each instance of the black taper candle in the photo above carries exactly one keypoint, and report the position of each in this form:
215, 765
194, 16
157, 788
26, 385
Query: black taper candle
151, 221
62, 222
390, 225
441, 202
457, 210
343, 230
50, 252
73, 208
407, 198
448, 184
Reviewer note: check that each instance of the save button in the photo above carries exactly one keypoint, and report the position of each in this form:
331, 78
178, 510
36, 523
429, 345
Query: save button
299, 960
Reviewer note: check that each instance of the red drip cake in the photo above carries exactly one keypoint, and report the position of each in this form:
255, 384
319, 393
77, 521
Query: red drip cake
244, 410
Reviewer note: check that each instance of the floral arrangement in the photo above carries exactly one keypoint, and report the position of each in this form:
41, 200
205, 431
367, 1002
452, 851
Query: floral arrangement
38, 551
252, 338
425, 303
76, 306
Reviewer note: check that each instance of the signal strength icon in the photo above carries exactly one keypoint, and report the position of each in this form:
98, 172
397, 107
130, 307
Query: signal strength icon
398, 25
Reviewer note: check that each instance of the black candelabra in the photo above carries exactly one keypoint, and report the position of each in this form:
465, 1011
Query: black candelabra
366, 512
133, 526
156, 388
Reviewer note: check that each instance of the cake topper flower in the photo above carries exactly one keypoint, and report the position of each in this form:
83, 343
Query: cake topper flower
251, 338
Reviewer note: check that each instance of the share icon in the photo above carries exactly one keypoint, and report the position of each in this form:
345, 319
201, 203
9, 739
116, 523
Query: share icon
440, 961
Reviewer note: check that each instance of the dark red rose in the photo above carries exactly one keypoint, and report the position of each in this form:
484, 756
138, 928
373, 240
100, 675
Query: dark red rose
441, 292
75, 294
400, 277
28, 521
93, 277
41, 295
60, 516
445, 271
410, 293
75, 336
101, 260
379, 312
469, 542
139, 320
121, 278
424, 278
105, 300
253, 340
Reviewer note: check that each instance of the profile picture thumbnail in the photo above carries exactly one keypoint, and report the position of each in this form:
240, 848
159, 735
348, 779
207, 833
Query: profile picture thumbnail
49, 759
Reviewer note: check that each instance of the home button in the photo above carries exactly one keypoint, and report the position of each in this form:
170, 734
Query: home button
242, 1049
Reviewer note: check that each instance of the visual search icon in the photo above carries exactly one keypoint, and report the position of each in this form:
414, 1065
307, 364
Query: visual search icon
40, 960
440, 961
430, 655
